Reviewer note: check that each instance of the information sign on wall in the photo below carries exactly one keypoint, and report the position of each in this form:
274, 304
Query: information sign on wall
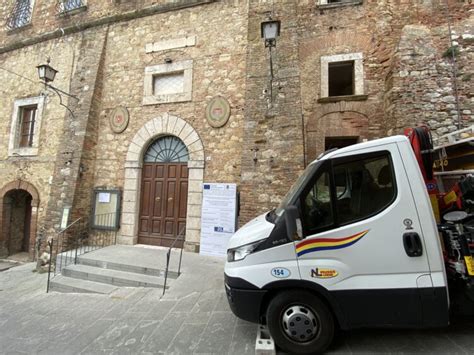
218, 219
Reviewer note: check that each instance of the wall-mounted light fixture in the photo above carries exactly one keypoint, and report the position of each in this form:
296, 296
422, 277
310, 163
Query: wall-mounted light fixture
46, 73
270, 30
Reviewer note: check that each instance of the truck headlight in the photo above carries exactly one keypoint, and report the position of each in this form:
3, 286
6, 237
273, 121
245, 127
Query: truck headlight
241, 252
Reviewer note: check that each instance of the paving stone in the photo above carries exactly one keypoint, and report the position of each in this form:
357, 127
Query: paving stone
243, 339
80, 342
205, 303
186, 304
160, 310
216, 337
197, 318
222, 305
111, 337
164, 334
130, 343
186, 340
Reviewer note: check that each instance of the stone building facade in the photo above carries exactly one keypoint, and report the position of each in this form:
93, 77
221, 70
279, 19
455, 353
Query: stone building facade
342, 72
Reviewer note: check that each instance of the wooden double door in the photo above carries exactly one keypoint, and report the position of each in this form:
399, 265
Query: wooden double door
163, 203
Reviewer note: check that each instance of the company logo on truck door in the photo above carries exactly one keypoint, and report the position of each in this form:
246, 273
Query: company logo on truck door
321, 273
317, 244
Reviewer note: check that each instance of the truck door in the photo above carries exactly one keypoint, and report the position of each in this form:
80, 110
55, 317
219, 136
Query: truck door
362, 238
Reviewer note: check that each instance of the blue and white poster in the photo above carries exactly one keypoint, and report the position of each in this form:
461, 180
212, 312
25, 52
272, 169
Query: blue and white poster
218, 218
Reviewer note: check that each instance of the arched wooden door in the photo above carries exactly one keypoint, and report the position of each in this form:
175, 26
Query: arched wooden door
164, 192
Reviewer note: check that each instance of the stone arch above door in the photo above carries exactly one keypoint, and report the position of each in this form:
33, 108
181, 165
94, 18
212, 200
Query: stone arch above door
35, 201
334, 124
163, 125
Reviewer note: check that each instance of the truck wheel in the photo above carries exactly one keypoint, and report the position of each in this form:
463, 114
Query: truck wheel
300, 323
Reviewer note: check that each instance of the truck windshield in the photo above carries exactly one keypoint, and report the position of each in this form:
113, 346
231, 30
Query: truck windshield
296, 188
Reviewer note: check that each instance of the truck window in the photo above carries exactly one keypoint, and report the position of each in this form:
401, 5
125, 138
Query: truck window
355, 188
369, 187
316, 204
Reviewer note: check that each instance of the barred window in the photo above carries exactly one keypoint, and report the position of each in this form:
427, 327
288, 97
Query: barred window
70, 5
21, 14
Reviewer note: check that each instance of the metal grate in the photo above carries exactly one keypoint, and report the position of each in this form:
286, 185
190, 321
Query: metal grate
21, 14
69, 5
167, 149
168, 83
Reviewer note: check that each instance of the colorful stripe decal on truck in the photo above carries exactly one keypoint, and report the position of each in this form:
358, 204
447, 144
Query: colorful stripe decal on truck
317, 244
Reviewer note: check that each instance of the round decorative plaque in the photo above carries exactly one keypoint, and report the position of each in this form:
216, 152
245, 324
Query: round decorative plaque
218, 111
119, 119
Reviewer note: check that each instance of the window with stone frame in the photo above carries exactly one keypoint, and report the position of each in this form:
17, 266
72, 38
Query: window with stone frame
25, 126
21, 14
170, 82
342, 75
337, 3
70, 5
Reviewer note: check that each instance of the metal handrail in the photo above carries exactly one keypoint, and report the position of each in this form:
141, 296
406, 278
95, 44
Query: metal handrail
81, 239
70, 225
168, 255
50, 245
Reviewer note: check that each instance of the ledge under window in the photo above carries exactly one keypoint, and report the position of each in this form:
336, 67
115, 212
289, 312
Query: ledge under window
343, 98
16, 30
323, 4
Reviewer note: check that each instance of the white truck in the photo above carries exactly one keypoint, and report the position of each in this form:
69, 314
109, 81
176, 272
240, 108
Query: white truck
354, 243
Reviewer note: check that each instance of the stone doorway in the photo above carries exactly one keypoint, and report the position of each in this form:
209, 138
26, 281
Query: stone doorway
163, 126
18, 203
18, 211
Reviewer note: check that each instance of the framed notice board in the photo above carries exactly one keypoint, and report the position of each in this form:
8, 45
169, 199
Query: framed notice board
106, 210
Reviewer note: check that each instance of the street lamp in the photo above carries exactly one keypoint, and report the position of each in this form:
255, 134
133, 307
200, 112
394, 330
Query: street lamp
47, 74
270, 30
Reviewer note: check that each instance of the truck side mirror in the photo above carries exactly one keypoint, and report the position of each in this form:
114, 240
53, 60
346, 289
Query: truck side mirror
294, 229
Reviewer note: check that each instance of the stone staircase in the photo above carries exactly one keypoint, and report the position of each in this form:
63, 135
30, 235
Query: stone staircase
97, 272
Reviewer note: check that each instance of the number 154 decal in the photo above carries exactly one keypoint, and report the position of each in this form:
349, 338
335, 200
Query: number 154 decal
281, 272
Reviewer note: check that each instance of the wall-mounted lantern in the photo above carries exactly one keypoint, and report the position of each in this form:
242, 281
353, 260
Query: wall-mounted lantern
270, 30
46, 73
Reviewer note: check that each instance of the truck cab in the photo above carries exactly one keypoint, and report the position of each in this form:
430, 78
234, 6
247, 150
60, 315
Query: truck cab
354, 243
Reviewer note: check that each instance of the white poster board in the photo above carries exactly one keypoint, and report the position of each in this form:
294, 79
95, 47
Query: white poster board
218, 218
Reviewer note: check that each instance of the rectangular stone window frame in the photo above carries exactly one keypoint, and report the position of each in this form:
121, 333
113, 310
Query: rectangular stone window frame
357, 58
185, 67
330, 4
14, 148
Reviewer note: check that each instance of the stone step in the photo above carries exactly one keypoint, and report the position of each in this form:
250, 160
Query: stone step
113, 277
66, 284
90, 261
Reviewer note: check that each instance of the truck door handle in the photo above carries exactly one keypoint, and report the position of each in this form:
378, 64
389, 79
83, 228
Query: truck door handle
412, 244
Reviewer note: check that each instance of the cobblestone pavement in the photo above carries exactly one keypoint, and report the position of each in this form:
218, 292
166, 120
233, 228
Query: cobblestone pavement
192, 318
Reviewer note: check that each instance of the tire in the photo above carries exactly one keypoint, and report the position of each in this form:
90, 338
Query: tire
300, 322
